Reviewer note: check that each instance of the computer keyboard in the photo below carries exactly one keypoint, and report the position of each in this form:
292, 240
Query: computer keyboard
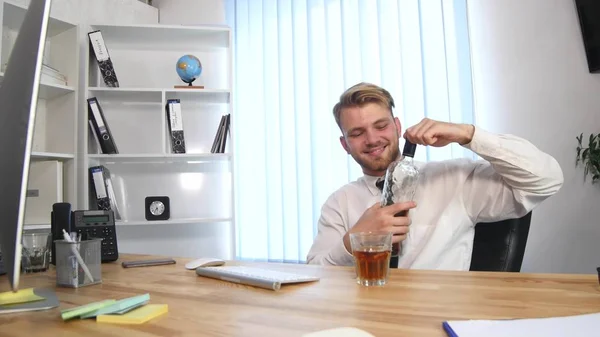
253, 276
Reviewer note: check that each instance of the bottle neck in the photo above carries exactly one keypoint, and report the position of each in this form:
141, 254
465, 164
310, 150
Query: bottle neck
407, 159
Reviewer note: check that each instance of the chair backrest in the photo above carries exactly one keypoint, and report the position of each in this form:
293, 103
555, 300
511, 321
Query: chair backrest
500, 246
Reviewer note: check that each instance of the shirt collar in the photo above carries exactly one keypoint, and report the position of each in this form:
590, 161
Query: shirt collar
370, 181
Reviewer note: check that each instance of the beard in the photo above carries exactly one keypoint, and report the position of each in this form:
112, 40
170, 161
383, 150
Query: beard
380, 163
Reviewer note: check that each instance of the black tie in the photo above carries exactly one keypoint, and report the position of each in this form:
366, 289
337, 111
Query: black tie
394, 259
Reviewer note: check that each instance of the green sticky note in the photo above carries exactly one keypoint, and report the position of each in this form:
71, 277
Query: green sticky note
84, 309
118, 306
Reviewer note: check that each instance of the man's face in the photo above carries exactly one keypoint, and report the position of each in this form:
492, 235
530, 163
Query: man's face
370, 136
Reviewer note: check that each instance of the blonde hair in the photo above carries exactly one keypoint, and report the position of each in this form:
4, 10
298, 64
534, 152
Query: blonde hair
361, 94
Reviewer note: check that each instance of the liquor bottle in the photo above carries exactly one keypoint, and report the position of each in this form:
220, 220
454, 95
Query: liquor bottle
400, 184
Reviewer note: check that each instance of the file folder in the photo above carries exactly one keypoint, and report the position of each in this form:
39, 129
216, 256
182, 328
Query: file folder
215, 145
221, 136
101, 129
101, 190
175, 120
105, 64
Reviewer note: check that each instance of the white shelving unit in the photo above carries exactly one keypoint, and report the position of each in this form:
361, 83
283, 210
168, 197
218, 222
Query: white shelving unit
198, 183
55, 132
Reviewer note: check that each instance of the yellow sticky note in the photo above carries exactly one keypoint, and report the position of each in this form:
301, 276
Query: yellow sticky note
137, 316
21, 296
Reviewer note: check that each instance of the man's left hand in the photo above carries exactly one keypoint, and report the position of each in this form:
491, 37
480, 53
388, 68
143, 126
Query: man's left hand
438, 134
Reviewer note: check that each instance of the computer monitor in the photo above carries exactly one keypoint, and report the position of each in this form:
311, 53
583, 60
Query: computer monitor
18, 102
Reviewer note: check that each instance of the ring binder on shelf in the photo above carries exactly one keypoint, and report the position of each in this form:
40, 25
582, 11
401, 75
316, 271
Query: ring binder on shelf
104, 136
175, 125
103, 58
102, 191
221, 135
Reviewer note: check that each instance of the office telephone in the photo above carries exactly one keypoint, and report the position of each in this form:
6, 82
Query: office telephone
98, 224
88, 223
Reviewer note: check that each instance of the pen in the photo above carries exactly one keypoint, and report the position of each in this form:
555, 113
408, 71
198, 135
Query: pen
78, 256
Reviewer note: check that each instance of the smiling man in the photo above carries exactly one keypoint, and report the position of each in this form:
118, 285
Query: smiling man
452, 196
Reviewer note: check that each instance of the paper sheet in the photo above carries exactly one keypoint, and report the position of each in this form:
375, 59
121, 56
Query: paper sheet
571, 326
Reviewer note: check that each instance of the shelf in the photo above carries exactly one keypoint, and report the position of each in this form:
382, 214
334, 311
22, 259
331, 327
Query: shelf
35, 226
160, 158
153, 94
164, 37
51, 156
15, 14
50, 91
172, 221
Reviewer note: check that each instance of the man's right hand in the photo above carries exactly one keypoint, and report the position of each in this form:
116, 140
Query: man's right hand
377, 218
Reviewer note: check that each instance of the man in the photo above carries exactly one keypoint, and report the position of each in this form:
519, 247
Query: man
451, 197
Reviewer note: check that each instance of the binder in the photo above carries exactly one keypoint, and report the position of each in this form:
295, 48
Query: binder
226, 132
102, 192
215, 145
101, 129
44, 189
103, 58
175, 120
221, 136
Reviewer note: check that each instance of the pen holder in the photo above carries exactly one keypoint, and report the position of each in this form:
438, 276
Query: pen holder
70, 272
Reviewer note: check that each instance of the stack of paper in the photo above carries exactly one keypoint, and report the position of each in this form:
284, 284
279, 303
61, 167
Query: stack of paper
29, 299
571, 326
132, 310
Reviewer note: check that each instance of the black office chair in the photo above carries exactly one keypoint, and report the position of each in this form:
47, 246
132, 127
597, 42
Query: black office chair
500, 246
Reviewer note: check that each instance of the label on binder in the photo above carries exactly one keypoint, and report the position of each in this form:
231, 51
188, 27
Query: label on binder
99, 46
175, 116
99, 184
98, 117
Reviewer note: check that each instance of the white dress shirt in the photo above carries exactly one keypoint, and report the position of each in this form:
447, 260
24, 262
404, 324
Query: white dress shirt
451, 197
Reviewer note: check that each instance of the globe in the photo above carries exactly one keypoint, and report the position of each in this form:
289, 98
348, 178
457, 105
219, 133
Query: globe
188, 68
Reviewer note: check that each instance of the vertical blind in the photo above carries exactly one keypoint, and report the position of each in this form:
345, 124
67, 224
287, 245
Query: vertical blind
292, 60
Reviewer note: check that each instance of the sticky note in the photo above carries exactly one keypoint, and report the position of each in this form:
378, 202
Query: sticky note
138, 316
84, 309
21, 296
119, 306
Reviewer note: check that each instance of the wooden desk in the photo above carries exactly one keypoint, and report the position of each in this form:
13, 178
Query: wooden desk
414, 303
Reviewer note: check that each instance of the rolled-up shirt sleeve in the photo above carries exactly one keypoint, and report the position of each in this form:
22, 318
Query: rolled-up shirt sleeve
514, 178
332, 227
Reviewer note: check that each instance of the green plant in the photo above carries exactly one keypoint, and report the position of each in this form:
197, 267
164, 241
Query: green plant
589, 156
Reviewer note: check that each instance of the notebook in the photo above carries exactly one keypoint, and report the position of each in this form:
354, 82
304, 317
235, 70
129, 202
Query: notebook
570, 326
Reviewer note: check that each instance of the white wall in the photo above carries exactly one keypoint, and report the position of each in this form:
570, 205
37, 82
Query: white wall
531, 79
105, 11
190, 12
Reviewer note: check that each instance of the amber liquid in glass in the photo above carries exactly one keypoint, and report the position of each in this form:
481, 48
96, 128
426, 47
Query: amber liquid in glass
372, 265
